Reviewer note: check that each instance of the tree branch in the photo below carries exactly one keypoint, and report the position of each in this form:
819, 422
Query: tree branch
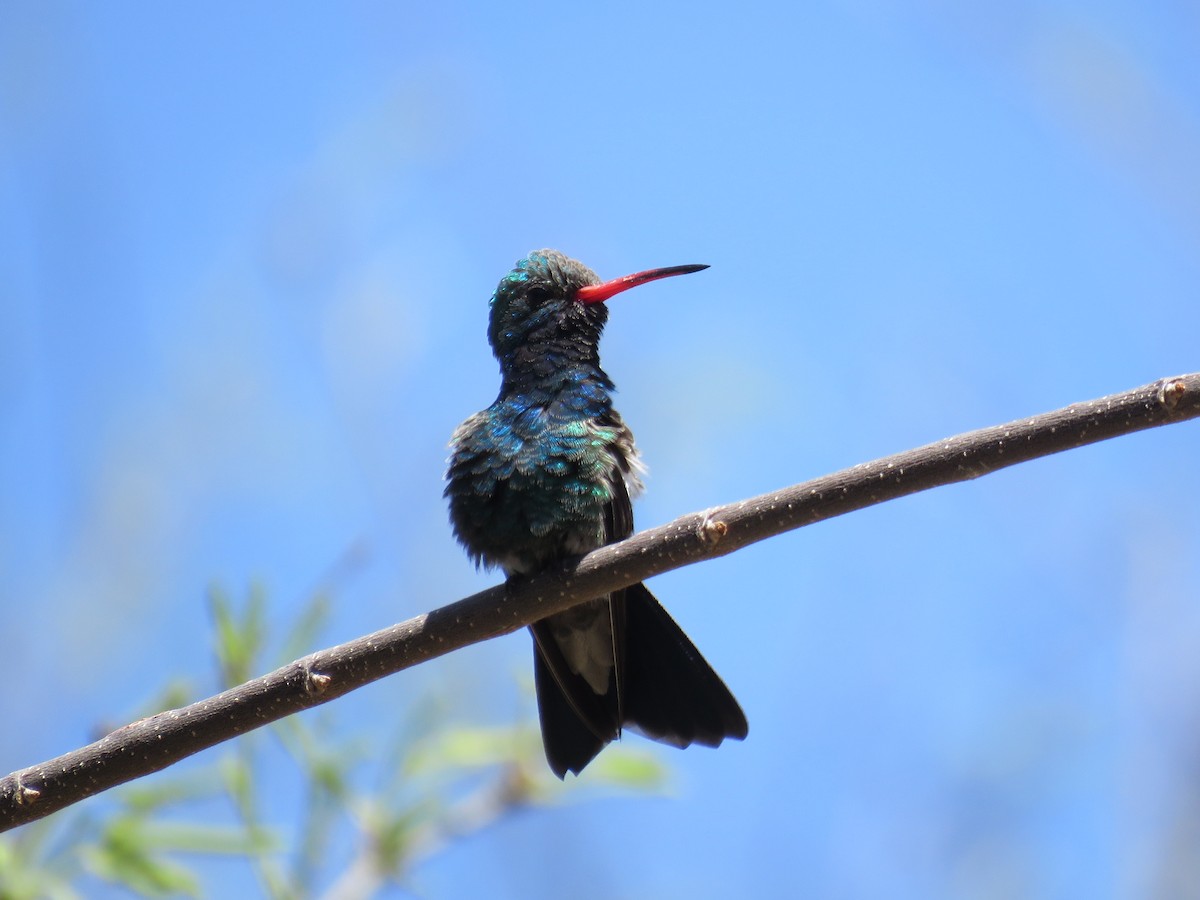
156, 742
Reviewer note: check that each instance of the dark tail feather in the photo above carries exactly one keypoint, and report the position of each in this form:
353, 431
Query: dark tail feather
576, 722
668, 692
671, 694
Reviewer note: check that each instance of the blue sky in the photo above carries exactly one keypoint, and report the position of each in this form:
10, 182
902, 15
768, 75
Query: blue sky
248, 251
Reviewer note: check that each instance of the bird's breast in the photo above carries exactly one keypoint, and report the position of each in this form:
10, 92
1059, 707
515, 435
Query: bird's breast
527, 485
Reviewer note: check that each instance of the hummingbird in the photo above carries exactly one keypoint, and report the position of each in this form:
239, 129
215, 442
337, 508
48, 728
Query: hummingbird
546, 473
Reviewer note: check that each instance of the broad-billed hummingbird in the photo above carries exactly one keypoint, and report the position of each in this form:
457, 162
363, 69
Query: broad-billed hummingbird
545, 473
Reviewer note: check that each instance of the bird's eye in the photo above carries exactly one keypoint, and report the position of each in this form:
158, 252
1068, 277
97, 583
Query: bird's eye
538, 294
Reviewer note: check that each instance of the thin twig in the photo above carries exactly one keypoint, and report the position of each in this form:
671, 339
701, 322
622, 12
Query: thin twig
156, 742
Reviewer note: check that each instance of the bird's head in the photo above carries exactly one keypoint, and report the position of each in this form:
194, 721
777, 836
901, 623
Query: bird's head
551, 300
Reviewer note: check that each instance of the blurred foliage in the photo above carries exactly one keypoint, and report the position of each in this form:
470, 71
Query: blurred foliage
439, 782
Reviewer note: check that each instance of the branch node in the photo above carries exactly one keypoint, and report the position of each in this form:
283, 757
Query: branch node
1171, 392
712, 530
315, 683
26, 795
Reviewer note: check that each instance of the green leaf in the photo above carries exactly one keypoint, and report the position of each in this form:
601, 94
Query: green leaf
238, 640
123, 858
237, 777
224, 840
633, 769
467, 748
152, 795
302, 635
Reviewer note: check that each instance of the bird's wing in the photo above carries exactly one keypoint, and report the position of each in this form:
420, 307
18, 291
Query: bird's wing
618, 525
